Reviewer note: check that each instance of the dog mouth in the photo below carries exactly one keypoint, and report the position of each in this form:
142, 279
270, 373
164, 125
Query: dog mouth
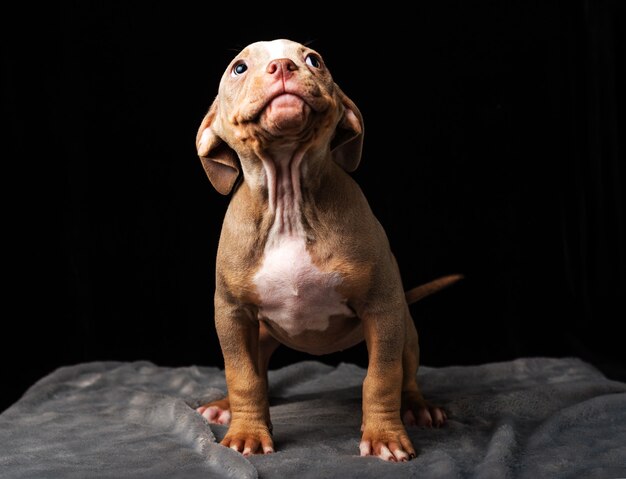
284, 112
313, 98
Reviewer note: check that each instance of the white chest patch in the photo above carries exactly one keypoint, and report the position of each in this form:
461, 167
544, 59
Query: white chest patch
294, 293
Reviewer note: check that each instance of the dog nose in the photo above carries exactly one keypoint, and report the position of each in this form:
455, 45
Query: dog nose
281, 65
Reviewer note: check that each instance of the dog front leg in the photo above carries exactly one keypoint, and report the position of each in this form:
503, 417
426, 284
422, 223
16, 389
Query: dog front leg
384, 434
238, 332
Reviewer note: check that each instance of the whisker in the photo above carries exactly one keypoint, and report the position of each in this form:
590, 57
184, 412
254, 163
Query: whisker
237, 48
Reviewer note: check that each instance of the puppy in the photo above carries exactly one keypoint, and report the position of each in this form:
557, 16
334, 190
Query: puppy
302, 261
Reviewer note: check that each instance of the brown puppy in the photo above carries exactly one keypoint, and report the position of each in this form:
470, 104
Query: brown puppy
302, 260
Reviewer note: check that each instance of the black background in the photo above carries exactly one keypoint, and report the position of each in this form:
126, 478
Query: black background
494, 147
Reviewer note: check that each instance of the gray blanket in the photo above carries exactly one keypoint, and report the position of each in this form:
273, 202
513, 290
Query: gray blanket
528, 418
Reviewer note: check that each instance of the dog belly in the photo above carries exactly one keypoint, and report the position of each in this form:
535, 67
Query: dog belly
295, 297
342, 333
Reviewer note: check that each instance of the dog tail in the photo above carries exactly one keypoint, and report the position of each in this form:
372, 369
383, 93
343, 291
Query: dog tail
415, 294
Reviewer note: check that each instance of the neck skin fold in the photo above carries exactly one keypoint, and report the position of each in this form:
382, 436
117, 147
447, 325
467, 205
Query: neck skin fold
279, 178
283, 181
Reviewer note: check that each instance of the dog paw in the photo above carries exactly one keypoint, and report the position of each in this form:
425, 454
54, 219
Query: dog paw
216, 412
390, 445
417, 412
249, 440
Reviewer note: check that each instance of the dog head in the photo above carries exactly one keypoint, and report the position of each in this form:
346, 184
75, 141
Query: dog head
277, 95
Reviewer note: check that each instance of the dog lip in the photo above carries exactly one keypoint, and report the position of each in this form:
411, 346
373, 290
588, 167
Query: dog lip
272, 97
283, 91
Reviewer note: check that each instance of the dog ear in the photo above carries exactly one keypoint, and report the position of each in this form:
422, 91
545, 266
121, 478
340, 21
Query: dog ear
220, 162
347, 144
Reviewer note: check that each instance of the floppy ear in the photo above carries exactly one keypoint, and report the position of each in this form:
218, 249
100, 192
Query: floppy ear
347, 143
220, 162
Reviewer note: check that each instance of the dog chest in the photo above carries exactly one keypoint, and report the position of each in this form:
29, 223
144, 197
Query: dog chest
294, 294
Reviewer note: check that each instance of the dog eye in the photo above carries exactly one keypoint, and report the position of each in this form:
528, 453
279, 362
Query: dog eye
239, 68
313, 61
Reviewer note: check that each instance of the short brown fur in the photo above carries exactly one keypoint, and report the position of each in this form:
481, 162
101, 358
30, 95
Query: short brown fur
342, 237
